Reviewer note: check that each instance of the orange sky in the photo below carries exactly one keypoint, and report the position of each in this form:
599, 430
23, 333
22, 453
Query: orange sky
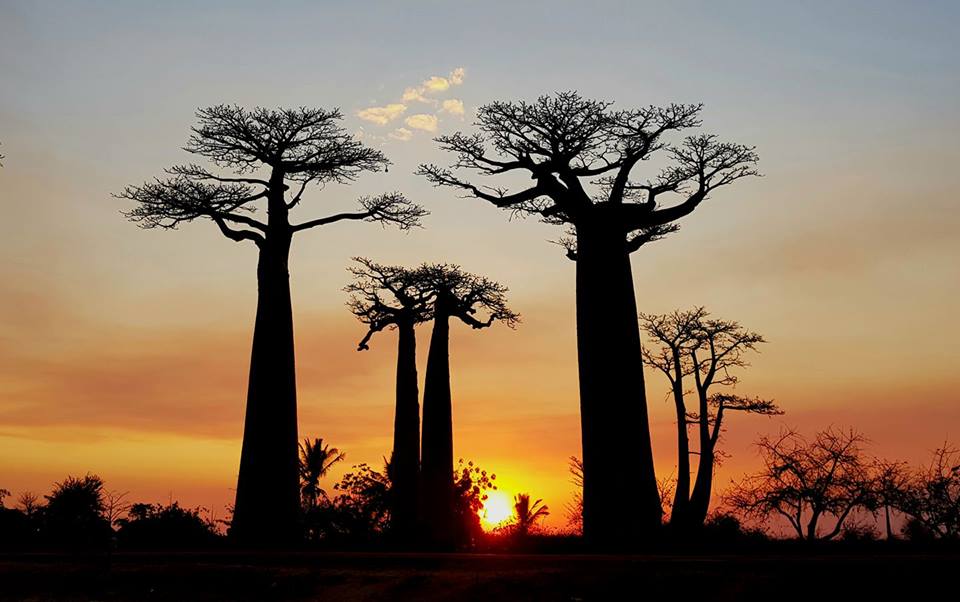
125, 352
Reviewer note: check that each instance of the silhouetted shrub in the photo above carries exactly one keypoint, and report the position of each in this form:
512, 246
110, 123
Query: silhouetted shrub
859, 532
359, 512
155, 525
15, 529
74, 515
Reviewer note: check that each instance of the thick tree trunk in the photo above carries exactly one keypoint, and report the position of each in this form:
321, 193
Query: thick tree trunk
268, 501
437, 459
618, 470
681, 498
703, 487
267, 508
405, 461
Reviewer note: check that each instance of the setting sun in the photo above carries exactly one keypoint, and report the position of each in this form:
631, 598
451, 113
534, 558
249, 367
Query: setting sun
497, 510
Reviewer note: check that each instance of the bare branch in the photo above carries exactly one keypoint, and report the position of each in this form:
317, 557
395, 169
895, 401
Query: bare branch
391, 208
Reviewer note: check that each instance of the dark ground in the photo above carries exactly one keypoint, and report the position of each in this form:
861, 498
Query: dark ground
237, 575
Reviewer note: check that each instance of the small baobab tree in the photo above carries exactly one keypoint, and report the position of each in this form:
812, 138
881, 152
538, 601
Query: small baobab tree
272, 157
581, 156
690, 345
393, 297
808, 481
477, 302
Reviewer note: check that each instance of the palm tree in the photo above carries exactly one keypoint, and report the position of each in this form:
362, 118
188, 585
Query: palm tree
316, 459
528, 514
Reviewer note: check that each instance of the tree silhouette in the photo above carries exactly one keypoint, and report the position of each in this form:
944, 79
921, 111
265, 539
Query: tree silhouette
691, 344
384, 297
580, 154
806, 481
528, 514
74, 514
457, 295
892, 480
274, 155
932, 495
316, 460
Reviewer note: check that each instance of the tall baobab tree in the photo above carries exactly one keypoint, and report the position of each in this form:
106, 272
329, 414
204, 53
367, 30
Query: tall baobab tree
271, 157
392, 297
581, 156
694, 345
462, 296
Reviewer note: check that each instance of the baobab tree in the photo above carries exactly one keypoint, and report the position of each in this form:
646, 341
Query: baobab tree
393, 297
477, 302
581, 156
273, 156
691, 344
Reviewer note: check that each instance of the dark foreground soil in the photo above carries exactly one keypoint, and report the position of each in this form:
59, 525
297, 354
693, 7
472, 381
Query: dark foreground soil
237, 575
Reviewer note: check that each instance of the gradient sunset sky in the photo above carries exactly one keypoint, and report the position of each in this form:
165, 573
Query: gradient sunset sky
124, 352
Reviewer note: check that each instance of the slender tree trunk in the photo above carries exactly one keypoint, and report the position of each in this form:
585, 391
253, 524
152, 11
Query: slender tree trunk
617, 454
405, 461
886, 517
267, 508
702, 488
437, 459
681, 498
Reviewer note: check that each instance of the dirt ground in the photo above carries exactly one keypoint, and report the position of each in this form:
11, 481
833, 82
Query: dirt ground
237, 575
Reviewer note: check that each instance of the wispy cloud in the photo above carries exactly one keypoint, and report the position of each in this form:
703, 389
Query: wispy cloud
402, 134
422, 94
453, 106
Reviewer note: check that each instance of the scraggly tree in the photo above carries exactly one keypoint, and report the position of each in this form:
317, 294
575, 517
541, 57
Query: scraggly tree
806, 481
463, 296
581, 156
393, 297
932, 495
273, 156
691, 344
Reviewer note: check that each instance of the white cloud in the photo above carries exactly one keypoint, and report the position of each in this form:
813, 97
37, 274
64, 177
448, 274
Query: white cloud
457, 75
453, 106
382, 115
402, 134
422, 121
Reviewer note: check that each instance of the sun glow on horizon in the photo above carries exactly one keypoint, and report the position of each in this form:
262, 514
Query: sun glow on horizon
497, 510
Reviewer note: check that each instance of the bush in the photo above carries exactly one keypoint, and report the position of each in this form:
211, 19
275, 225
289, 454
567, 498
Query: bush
155, 525
74, 516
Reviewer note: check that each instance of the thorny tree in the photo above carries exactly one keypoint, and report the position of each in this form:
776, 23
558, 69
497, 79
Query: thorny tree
392, 297
804, 482
477, 302
693, 345
272, 157
580, 155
